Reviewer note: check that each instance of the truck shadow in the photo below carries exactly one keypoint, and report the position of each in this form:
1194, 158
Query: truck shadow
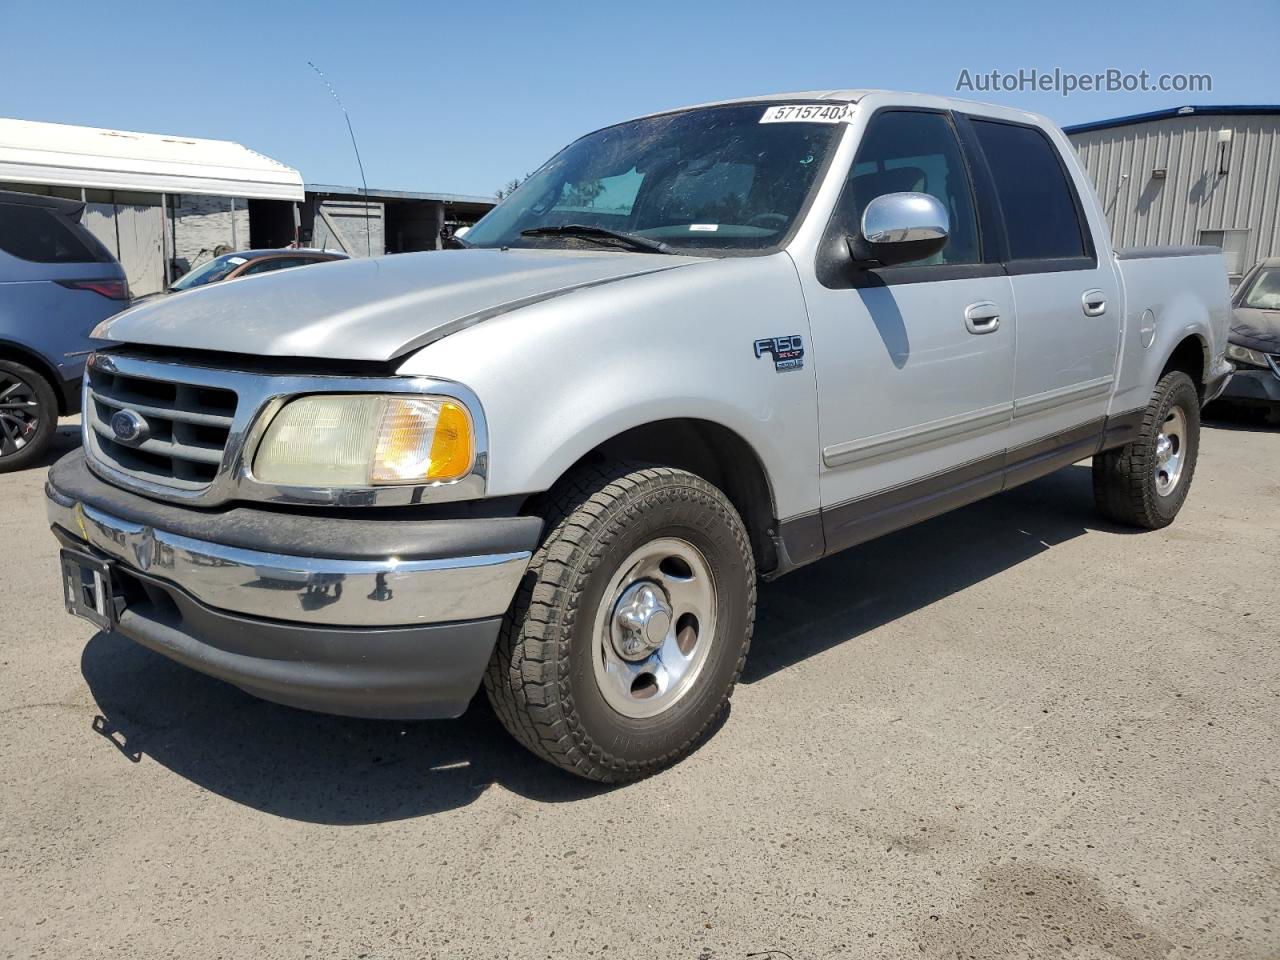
300, 765
842, 597
336, 770
1224, 415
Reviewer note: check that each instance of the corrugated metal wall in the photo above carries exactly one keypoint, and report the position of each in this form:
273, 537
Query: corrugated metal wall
1146, 211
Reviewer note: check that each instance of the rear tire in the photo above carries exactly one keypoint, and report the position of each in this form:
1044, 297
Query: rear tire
28, 416
1145, 482
629, 632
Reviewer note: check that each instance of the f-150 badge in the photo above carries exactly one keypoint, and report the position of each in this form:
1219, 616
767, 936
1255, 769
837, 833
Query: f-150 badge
787, 352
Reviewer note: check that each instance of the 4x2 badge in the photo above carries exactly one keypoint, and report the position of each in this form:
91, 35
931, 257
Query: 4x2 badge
787, 352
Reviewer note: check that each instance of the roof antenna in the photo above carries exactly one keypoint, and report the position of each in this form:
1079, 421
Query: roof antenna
368, 233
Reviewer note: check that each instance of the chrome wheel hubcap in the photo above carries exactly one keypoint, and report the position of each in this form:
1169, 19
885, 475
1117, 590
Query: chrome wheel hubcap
640, 621
654, 628
1171, 451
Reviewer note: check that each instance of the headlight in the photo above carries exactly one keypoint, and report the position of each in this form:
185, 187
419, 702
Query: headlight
1244, 355
360, 440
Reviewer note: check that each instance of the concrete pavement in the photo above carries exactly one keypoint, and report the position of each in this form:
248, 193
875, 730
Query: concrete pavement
1015, 731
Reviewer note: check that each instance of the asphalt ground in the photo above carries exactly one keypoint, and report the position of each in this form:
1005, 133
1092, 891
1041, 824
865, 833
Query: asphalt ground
1014, 731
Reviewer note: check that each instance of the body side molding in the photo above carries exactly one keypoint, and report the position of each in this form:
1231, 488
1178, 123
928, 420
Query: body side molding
1062, 396
935, 431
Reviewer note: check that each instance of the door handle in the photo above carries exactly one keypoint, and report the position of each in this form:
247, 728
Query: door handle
1094, 303
982, 317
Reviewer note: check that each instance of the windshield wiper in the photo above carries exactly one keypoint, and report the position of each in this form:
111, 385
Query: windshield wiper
588, 232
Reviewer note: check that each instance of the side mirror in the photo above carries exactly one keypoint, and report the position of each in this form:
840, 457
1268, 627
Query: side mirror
900, 228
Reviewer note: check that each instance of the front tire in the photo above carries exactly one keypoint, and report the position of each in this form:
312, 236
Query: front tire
1145, 482
28, 416
627, 637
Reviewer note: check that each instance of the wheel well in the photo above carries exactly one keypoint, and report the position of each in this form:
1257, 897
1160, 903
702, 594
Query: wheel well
1189, 357
16, 354
716, 454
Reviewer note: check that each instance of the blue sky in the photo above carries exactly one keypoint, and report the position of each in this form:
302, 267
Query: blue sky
461, 96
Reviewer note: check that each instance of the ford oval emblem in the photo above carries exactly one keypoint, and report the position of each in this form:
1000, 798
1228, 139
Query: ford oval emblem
129, 427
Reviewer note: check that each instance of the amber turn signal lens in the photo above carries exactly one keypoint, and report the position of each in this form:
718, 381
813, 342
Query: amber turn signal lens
422, 440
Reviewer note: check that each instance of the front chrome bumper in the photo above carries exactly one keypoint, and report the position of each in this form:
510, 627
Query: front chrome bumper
347, 614
333, 592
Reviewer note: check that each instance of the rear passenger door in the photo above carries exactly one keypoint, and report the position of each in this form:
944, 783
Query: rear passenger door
1065, 293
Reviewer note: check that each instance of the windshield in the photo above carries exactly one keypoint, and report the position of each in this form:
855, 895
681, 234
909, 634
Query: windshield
717, 178
210, 272
1264, 292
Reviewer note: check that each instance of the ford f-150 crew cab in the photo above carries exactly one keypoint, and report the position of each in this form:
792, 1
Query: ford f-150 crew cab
693, 350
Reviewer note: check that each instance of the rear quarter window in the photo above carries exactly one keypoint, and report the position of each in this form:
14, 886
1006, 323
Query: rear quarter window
40, 235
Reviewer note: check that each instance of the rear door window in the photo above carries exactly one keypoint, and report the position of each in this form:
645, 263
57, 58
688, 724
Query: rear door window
1041, 214
40, 235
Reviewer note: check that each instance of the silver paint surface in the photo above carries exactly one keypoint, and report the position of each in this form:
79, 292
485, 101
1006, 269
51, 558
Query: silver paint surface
643, 338
365, 309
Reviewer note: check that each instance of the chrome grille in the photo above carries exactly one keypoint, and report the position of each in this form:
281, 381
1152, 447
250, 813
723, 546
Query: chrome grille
194, 430
187, 426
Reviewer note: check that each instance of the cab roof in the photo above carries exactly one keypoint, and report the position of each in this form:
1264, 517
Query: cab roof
878, 98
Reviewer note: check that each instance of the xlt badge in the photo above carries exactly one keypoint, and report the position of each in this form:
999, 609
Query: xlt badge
787, 352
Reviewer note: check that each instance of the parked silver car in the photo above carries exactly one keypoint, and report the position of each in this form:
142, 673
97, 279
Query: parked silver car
57, 283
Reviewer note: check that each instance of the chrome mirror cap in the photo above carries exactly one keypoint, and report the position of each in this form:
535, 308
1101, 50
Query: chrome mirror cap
894, 218
899, 228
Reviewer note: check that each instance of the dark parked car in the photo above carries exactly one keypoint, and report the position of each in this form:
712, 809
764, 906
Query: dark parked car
231, 266
57, 283
1254, 345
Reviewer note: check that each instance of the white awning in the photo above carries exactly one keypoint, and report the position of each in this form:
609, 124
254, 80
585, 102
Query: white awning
64, 155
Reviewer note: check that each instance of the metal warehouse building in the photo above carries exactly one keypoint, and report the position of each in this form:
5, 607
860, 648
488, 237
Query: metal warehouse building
164, 204
1202, 175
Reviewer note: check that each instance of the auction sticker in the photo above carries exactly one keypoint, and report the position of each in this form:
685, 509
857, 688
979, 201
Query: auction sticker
810, 113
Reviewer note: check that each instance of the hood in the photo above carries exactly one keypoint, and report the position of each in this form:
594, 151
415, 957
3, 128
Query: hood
1256, 329
375, 309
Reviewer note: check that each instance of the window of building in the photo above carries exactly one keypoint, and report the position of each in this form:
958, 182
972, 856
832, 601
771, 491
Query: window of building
1234, 244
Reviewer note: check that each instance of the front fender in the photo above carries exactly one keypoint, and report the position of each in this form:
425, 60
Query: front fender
558, 379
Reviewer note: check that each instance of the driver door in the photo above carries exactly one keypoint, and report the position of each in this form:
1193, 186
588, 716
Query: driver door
914, 362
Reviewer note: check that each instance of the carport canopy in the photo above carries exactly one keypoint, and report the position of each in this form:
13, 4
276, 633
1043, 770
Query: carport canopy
60, 154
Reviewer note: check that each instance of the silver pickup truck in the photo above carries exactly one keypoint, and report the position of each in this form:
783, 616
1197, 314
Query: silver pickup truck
694, 350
